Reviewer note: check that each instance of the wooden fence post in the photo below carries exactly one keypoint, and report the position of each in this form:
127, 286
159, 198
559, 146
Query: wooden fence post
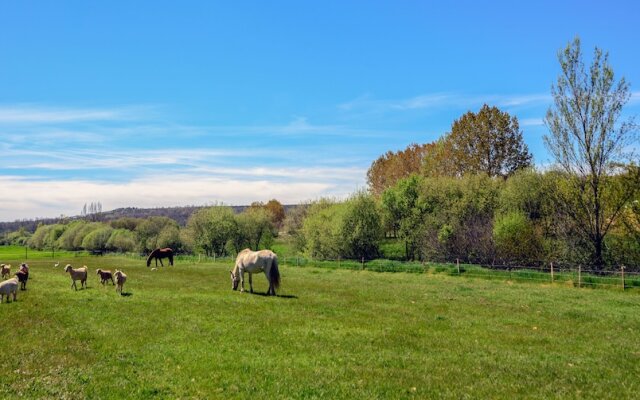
297, 263
579, 275
551, 271
622, 273
339, 262
362, 263
458, 265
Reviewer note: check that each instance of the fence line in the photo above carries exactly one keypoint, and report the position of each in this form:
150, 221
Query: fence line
561, 273
576, 276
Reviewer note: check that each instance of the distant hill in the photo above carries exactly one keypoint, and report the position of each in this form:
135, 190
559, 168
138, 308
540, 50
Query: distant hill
179, 214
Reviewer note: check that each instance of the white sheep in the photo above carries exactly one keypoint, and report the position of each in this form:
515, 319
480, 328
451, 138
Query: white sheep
7, 287
6, 270
121, 278
79, 274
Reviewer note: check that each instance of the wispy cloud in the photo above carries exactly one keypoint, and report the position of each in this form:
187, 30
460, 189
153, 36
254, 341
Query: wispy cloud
444, 100
86, 159
41, 114
531, 122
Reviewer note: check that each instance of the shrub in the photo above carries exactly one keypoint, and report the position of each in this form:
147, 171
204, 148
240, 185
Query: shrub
516, 240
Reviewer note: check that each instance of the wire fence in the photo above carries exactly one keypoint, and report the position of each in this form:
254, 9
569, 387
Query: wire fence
575, 276
564, 274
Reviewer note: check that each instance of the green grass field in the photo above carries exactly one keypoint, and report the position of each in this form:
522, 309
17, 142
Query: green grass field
181, 332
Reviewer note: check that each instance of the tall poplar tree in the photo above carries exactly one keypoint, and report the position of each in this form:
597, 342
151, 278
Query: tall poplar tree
589, 142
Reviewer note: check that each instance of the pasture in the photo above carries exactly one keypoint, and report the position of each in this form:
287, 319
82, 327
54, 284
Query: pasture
180, 332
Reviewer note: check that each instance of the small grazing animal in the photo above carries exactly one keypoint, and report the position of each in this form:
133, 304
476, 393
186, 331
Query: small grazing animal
23, 276
121, 278
7, 288
6, 270
105, 276
24, 267
79, 274
56, 265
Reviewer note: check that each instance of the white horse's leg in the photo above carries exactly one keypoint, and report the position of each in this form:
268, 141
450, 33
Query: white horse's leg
250, 282
241, 280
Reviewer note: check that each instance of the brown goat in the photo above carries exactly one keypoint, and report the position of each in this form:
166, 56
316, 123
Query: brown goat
105, 276
6, 270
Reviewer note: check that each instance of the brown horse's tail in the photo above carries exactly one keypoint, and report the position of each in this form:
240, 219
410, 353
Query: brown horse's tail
274, 273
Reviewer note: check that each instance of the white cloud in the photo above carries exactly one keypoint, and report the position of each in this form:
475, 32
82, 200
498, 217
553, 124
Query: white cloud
40, 114
444, 100
29, 198
82, 159
531, 122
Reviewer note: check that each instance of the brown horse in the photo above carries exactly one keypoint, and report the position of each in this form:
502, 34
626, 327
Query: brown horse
159, 254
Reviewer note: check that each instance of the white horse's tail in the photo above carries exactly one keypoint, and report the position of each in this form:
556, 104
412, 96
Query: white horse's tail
274, 273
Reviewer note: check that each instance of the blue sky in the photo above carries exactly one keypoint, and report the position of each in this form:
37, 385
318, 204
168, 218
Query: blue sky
241, 101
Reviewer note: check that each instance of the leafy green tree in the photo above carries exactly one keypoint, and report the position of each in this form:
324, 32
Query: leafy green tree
46, 236
211, 228
293, 223
122, 240
67, 239
277, 212
51, 240
169, 236
526, 191
516, 239
148, 232
19, 238
361, 227
255, 227
126, 223
402, 207
97, 239
322, 229
489, 142
37, 240
589, 142
83, 231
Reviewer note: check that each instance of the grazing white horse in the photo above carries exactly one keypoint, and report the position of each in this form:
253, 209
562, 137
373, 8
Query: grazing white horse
256, 261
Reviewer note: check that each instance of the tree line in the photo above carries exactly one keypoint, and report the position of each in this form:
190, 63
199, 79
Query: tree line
472, 195
215, 230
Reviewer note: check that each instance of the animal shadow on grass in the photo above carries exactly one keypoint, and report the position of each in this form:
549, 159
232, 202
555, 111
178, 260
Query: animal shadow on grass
282, 296
126, 294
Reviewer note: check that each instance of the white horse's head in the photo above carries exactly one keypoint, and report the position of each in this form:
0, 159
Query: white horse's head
235, 280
